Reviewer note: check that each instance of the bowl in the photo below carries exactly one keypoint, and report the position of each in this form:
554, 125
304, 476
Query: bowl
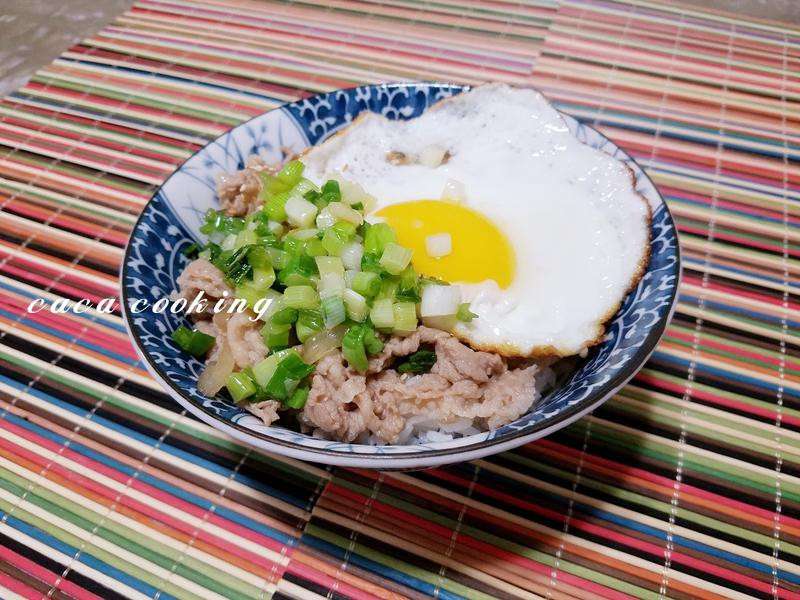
171, 221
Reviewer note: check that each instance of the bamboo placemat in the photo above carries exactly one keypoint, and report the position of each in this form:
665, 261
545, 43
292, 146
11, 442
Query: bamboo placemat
686, 485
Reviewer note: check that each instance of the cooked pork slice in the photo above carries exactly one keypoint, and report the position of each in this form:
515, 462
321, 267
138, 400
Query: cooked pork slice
242, 331
463, 384
267, 410
202, 276
239, 192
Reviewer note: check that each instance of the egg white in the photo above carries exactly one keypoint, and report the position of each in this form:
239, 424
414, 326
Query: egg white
579, 229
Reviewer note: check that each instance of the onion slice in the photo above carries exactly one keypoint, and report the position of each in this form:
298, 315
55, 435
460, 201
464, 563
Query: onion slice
216, 372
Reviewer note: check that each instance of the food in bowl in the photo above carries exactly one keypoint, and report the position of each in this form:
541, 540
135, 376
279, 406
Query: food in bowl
411, 281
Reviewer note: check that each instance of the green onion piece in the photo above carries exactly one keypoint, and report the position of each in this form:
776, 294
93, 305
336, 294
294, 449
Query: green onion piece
333, 311
464, 313
291, 173
263, 278
356, 305
405, 316
278, 337
284, 316
293, 245
376, 238
331, 284
366, 283
271, 185
258, 257
217, 221
249, 292
331, 189
408, 289
395, 258
298, 398
275, 207
194, 342
419, 362
300, 296
246, 237
300, 265
289, 371
240, 386
382, 314
315, 248
329, 265
279, 258
333, 241
191, 251
372, 342
305, 186
309, 322
388, 288
345, 229
299, 211
263, 371
353, 348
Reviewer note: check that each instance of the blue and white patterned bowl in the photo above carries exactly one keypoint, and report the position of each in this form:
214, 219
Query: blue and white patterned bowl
171, 221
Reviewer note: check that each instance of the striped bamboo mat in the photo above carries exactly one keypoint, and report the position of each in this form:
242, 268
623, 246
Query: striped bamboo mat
686, 485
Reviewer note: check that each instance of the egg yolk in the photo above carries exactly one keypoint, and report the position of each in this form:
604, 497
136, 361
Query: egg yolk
479, 250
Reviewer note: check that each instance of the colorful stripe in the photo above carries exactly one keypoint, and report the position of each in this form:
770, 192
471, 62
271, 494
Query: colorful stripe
685, 485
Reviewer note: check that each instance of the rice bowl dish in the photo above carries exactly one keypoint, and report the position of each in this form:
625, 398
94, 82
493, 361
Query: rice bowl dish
411, 281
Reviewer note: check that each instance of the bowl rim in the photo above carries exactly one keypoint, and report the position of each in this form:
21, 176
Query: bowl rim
407, 459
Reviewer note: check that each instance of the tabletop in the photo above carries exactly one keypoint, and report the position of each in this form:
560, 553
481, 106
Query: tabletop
685, 485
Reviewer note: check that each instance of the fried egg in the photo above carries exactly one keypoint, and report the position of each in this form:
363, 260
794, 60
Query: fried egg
547, 234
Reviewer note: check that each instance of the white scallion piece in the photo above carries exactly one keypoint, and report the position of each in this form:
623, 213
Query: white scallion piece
439, 245
454, 191
432, 156
440, 300
300, 212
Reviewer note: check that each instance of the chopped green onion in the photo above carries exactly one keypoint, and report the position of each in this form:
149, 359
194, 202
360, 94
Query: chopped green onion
309, 322
249, 292
284, 316
263, 278
333, 311
331, 284
240, 386
289, 371
382, 314
191, 251
315, 248
331, 189
372, 342
351, 255
299, 211
345, 229
333, 241
464, 313
405, 317
194, 342
300, 296
366, 283
258, 257
291, 173
353, 348
376, 238
277, 337
419, 362
246, 237
408, 286
395, 258
356, 305
275, 207
329, 265
279, 258
298, 398
217, 221
263, 371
